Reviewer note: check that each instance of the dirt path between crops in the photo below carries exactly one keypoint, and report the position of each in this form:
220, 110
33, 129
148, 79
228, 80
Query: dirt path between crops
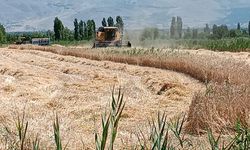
78, 89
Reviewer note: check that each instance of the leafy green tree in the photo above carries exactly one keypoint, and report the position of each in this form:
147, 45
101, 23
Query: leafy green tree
232, 33
90, 29
110, 22
68, 34
220, 31
10, 38
58, 29
93, 27
119, 23
81, 30
104, 23
173, 28
223, 31
76, 30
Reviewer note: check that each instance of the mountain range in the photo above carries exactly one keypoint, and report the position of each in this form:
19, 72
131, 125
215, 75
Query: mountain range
32, 15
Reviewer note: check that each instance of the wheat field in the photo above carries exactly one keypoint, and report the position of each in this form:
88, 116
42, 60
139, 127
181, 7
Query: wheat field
211, 88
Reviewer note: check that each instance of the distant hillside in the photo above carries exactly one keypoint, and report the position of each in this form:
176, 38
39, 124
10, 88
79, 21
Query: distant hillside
29, 15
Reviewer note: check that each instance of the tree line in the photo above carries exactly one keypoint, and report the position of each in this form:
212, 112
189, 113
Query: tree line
176, 31
86, 31
110, 22
217, 32
82, 31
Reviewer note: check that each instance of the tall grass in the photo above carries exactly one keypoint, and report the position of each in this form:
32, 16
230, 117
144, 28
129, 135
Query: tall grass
110, 123
57, 135
240, 141
219, 108
158, 136
36, 143
163, 134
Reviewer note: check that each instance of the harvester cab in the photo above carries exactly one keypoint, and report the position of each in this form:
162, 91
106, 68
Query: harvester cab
109, 37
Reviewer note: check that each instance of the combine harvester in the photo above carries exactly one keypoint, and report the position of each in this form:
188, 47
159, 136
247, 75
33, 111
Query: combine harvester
109, 37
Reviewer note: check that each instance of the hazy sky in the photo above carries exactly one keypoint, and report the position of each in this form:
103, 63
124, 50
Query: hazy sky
39, 14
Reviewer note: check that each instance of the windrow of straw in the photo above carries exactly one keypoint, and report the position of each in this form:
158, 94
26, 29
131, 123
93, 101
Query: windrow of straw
203, 68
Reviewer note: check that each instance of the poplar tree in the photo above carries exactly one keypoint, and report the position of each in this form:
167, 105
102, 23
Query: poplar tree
81, 30
110, 22
238, 26
104, 23
206, 29
179, 27
249, 28
85, 31
58, 29
173, 28
2, 34
119, 23
76, 30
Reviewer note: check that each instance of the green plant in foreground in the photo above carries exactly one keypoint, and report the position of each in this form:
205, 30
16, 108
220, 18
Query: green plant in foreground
101, 143
176, 126
110, 122
158, 137
242, 139
17, 139
160, 133
22, 128
57, 136
214, 142
36, 143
